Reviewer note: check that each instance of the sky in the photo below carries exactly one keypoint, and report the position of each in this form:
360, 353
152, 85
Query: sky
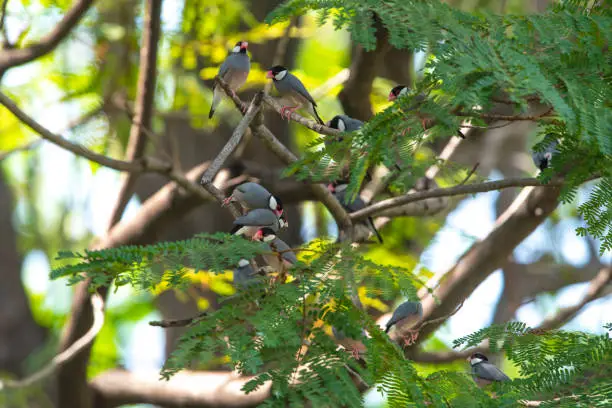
141, 345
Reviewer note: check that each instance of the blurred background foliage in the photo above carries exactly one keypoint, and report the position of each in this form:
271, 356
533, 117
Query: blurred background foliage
81, 91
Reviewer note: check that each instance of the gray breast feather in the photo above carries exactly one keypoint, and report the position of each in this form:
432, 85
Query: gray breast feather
488, 371
291, 84
259, 217
236, 62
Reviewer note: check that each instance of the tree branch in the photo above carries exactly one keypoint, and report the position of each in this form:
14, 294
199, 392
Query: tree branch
234, 140
595, 291
97, 304
145, 97
451, 191
309, 123
186, 389
176, 323
14, 57
145, 164
511, 118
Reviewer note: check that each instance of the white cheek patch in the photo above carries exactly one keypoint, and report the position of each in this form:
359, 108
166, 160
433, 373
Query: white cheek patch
242, 231
269, 238
283, 223
404, 91
280, 75
475, 361
242, 263
548, 156
272, 203
341, 125
236, 49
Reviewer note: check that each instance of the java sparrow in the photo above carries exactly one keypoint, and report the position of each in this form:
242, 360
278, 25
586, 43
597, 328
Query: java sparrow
483, 372
355, 346
401, 90
276, 244
405, 316
257, 219
243, 274
252, 195
234, 70
542, 159
293, 93
343, 123
339, 191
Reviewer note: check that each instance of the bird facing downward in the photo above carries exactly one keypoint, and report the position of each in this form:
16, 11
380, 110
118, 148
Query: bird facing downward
282, 250
343, 123
483, 372
257, 219
293, 93
543, 159
397, 91
252, 195
404, 318
234, 70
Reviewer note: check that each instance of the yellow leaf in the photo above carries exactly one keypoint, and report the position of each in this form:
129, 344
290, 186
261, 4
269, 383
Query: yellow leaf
203, 303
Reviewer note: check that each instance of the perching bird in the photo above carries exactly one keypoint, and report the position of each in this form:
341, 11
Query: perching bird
483, 372
342, 123
401, 90
252, 195
276, 244
405, 316
243, 274
257, 219
234, 70
339, 191
543, 159
293, 93
355, 346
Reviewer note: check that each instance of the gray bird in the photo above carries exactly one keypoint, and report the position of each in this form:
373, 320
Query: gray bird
543, 159
342, 123
293, 93
355, 346
483, 372
275, 244
257, 219
338, 189
252, 195
244, 274
404, 317
234, 70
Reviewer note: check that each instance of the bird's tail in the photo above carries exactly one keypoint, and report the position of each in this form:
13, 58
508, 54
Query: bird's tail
215, 102
373, 227
316, 115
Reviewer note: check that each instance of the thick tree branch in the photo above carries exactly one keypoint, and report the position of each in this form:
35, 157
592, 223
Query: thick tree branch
186, 389
309, 123
145, 97
97, 304
14, 57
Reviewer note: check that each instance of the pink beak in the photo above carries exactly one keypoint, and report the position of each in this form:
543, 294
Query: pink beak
269, 74
391, 97
258, 235
244, 45
331, 188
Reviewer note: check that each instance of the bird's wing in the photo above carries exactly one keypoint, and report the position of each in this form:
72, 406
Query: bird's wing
282, 246
224, 68
298, 86
260, 216
489, 372
353, 124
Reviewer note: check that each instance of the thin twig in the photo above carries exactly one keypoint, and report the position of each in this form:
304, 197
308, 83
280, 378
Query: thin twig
177, 323
2, 18
97, 304
442, 318
470, 174
234, 140
309, 123
512, 118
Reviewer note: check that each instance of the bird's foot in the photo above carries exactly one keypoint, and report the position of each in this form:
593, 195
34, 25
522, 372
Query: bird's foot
423, 124
286, 111
244, 107
411, 338
233, 94
355, 353
226, 201
406, 131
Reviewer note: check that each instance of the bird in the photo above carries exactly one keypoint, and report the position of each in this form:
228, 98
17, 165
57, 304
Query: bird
400, 90
256, 219
405, 316
343, 123
355, 346
293, 93
234, 70
338, 189
243, 274
253, 195
543, 159
483, 372
276, 244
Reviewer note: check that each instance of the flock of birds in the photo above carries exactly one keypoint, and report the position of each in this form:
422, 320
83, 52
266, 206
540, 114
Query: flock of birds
265, 216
